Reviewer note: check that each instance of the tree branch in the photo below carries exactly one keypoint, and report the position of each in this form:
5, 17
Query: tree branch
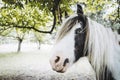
33, 28
55, 8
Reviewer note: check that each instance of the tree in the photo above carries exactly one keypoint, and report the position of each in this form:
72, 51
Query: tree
20, 21
28, 17
20, 37
43, 15
40, 38
54, 7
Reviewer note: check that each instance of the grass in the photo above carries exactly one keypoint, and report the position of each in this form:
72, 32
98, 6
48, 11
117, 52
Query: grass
34, 65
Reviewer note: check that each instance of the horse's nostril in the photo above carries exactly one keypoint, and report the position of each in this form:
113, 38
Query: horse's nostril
66, 61
58, 58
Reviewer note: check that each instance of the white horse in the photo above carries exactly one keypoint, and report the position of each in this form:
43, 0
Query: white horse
81, 36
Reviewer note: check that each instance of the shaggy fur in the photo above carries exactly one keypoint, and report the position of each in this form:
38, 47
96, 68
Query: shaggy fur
102, 48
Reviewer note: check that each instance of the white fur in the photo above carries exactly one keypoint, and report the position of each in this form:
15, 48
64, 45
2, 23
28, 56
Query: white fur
103, 49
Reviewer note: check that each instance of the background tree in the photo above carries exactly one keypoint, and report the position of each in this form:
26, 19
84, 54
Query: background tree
20, 37
39, 38
44, 16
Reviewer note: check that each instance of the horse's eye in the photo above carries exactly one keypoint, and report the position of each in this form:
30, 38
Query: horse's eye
78, 31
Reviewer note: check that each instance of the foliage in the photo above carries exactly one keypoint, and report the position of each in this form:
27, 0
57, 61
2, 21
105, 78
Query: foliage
26, 17
43, 15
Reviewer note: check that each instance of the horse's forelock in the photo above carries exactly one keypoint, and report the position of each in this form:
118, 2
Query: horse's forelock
66, 27
70, 23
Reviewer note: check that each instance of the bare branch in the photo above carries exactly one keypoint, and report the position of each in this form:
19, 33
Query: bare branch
33, 28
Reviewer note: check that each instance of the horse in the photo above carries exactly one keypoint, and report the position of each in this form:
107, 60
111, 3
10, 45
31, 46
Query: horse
79, 37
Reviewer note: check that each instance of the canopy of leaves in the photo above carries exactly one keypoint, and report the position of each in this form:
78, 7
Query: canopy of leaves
40, 15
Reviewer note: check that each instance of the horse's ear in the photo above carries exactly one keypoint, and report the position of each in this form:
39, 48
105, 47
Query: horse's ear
79, 9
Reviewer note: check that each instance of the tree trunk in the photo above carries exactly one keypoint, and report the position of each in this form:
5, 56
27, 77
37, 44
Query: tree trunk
119, 31
39, 44
59, 15
19, 45
66, 14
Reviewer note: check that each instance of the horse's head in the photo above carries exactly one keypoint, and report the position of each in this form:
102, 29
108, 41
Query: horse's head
70, 44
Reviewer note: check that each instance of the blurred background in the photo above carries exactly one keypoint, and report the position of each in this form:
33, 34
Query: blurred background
27, 34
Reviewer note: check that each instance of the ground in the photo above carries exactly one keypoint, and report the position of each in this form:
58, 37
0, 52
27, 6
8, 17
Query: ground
33, 64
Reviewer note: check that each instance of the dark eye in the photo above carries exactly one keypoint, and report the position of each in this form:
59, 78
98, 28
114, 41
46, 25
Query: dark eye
78, 31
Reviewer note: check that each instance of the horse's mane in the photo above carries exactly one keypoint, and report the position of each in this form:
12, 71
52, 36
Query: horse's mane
66, 26
103, 49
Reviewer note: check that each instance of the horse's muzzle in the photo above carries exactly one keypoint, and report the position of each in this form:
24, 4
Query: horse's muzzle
59, 64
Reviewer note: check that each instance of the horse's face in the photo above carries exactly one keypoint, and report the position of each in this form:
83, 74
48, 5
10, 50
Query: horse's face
70, 43
69, 48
